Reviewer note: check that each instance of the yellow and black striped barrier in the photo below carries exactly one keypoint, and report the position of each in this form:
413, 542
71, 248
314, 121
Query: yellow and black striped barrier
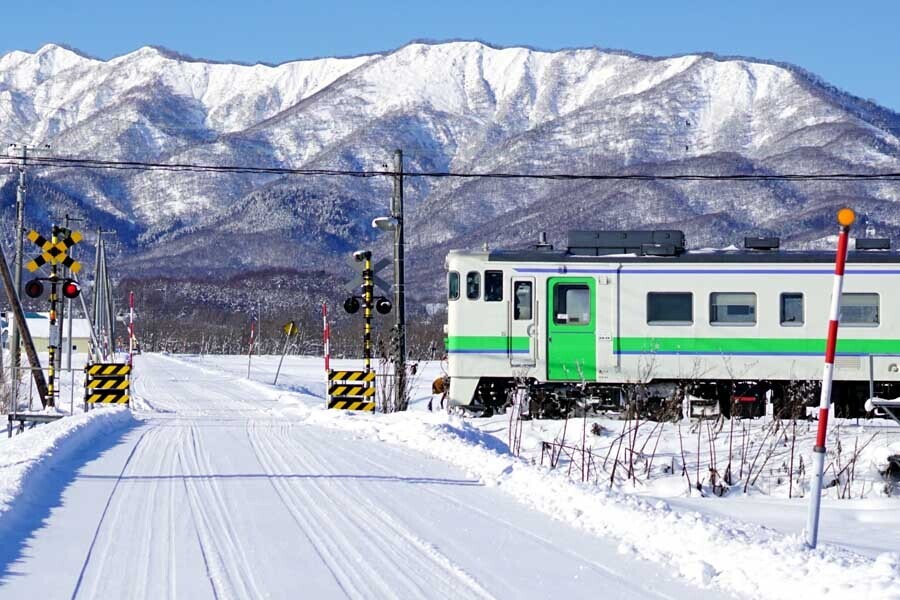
108, 369
107, 383
351, 390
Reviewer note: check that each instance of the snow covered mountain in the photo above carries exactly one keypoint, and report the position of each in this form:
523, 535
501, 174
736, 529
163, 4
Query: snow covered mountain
462, 106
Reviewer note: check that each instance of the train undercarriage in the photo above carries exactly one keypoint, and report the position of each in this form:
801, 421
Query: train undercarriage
670, 399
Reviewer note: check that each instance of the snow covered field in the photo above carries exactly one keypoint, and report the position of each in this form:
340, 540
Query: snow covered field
223, 487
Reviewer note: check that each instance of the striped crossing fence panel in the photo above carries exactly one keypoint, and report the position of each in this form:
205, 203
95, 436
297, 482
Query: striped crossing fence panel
107, 383
351, 390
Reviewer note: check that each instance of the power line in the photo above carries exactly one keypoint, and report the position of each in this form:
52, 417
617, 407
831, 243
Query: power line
93, 163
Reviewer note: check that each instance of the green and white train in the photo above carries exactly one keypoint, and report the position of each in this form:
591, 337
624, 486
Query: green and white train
618, 311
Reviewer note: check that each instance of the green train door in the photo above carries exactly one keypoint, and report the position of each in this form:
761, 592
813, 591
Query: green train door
571, 329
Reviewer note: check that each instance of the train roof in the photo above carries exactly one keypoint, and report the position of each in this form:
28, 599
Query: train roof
698, 256
668, 246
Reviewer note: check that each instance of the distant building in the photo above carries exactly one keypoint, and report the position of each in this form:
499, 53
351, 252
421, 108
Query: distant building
39, 326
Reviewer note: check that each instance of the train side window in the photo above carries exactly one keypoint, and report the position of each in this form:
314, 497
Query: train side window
791, 309
473, 285
670, 308
523, 301
453, 285
572, 304
859, 310
493, 286
732, 308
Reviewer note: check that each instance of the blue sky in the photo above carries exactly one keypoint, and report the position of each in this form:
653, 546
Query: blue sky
853, 45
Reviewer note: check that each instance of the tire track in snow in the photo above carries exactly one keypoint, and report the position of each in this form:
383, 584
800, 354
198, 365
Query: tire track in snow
138, 446
388, 556
550, 544
309, 521
223, 553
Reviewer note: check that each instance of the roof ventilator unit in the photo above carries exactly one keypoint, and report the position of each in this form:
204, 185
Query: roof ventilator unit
643, 243
542, 242
762, 243
873, 243
658, 249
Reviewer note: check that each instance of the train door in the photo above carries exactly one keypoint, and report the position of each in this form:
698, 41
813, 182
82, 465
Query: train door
571, 328
522, 317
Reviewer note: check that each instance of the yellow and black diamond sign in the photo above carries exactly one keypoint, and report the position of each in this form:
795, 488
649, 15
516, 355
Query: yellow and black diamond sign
54, 253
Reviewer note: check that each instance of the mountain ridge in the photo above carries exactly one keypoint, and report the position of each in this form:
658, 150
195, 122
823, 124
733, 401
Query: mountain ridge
461, 106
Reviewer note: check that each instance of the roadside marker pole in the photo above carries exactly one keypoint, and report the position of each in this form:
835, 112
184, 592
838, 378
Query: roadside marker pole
130, 329
845, 218
250, 353
325, 335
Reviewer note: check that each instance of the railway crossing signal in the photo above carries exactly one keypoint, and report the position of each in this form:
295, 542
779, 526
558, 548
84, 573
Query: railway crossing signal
346, 396
54, 252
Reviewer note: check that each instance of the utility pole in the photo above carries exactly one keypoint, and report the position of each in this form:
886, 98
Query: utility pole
102, 307
19, 151
400, 395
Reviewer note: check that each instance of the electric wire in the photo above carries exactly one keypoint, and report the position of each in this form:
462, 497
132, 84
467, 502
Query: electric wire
95, 163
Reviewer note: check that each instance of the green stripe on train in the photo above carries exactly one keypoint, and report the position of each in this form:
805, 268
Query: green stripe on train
486, 343
687, 345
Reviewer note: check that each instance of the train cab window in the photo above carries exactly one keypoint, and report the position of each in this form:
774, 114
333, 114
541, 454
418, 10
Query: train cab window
859, 310
572, 304
473, 285
732, 308
791, 309
493, 286
670, 308
453, 285
522, 296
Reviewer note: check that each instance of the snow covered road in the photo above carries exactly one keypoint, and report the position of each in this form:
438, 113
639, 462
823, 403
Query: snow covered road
221, 493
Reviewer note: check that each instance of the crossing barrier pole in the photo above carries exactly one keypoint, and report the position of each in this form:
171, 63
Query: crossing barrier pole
845, 219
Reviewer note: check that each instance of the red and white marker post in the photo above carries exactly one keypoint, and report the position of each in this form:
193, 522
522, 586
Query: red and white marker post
130, 329
326, 334
845, 218
252, 340
326, 348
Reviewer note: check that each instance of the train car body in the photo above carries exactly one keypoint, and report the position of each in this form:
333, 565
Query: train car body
597, 317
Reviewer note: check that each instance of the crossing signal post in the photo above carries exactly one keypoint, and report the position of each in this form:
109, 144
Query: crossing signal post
54, 253
344, 389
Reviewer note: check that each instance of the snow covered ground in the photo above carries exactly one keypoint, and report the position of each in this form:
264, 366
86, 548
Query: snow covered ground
224, 487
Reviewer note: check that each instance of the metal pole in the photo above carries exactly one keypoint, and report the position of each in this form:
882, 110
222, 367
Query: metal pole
326, 350
131, 329
871, 376
845, 219
14, 342
19, 316
53, 344
400, 399
287, 340
250, 354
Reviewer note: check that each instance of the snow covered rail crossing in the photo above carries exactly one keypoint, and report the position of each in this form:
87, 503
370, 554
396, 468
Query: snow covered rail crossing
221, 493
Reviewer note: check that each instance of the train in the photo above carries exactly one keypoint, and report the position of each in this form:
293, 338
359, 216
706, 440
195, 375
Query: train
620, 315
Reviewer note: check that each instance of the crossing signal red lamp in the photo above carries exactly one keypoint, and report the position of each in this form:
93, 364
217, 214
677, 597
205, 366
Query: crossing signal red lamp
351, 305
383, 306
34, 288
70, 289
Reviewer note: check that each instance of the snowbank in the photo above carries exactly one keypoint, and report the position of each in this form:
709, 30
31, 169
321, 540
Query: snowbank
24, 456
708, 550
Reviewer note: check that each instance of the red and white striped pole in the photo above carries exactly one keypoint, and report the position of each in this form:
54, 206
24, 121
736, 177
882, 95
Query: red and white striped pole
326, 350
130, 329
252, 339
326, 334
845, 219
